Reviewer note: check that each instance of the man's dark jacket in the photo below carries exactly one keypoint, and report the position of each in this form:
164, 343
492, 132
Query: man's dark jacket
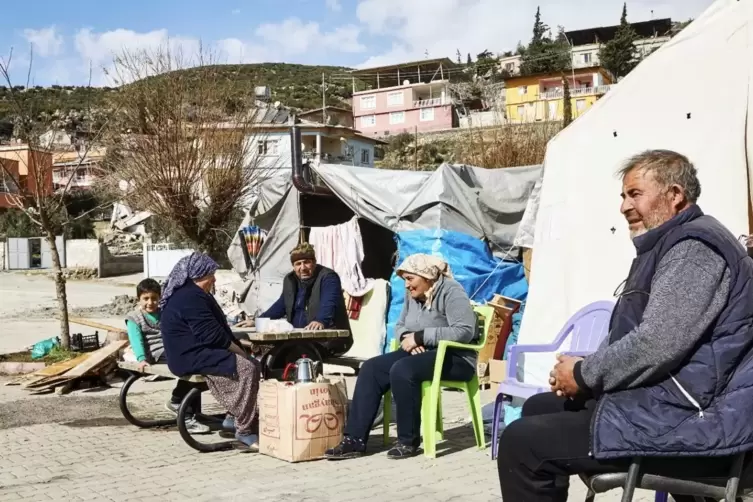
705, 407
340, 320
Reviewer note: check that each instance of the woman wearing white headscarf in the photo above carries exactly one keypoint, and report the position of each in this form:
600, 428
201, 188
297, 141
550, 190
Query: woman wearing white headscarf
436, 308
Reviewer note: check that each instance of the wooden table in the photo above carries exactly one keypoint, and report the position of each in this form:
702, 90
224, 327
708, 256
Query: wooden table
288, 346
252, 335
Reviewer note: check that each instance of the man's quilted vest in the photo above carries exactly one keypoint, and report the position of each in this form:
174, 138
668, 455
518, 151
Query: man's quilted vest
705, 407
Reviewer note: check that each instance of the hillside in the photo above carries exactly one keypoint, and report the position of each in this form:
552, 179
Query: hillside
297, 86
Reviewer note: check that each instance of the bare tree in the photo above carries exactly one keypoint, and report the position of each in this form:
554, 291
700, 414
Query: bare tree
188, 149
26, 176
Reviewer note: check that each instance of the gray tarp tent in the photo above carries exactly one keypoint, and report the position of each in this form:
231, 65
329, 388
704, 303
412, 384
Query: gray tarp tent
484, 203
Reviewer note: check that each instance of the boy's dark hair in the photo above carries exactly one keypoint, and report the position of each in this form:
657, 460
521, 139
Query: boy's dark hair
148, 286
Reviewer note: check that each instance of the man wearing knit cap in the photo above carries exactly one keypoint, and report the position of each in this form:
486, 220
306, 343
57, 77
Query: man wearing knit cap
312, 298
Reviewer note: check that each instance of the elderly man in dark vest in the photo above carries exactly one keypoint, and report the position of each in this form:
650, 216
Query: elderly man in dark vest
673, 380
312, 298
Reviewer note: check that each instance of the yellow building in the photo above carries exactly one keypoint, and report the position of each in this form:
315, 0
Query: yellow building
536, 98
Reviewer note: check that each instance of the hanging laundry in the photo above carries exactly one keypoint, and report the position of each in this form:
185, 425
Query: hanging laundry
340, 247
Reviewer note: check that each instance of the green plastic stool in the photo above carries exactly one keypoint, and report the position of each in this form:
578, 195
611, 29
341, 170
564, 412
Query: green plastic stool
431, 393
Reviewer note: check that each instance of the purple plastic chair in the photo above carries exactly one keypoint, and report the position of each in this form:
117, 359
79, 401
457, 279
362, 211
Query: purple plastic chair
587, 328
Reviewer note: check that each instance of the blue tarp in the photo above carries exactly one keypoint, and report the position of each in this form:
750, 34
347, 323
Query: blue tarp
517, 317
472, 264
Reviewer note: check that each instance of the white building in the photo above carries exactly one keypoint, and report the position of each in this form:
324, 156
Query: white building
585, 44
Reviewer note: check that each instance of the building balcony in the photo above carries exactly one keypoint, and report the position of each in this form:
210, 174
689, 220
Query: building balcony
576, 92
76, 182
429, 102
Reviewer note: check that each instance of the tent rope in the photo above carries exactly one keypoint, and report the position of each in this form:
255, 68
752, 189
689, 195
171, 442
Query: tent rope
491, 273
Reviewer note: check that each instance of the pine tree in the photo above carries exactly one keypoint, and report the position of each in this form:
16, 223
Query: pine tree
457, 52
544, 55
486, 62
567, 105
619, 55
469, 61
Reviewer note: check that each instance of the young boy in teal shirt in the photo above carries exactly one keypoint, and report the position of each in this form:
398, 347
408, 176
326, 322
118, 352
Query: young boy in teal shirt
146, 342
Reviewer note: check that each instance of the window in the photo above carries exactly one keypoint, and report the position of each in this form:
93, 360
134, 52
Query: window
368, 121
368, 102
7, 185
395, 98
365, 157
427, 114
580, 105
553, 110
267, 147
397, 117
521, 112
509, 67
522, 90
586, 57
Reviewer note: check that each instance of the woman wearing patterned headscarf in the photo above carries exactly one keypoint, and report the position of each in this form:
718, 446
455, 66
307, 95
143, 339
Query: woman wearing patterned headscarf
198, 341
436, 308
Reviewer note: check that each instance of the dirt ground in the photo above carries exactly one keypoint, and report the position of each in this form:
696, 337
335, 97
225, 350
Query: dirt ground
28, 306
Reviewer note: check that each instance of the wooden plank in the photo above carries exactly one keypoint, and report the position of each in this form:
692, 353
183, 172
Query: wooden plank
96, 325
350, 362
157, 369
97, 358
61, 367
45, 382
46, 389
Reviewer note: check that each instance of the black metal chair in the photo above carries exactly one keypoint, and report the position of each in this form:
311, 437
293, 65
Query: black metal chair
729, 488
192, 401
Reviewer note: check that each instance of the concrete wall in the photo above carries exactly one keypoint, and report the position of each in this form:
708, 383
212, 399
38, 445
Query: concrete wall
82, 253
491, 118
110, 265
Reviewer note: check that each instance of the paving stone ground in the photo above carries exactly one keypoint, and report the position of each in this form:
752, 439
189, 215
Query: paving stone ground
78, 448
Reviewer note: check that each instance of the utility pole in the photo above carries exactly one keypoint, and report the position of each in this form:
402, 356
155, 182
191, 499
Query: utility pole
324, 101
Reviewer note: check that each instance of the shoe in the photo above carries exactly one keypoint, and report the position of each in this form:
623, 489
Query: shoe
348, 448
172, 407
248, 443
195, 427
229, 423
402, 451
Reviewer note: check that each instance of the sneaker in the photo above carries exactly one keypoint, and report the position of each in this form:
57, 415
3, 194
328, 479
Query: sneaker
229, 423
195, 427
348, 448
402, 451
172, 407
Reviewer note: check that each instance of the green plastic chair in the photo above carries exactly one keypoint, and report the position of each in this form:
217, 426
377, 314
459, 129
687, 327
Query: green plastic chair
432, 428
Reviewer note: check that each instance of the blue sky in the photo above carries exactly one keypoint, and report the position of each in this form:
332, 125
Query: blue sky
70, 37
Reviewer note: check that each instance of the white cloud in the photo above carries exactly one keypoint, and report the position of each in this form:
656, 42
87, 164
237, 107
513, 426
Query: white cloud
294, 37
472, 26
283, 41
100, 49
235, 12
46, 41
333, 5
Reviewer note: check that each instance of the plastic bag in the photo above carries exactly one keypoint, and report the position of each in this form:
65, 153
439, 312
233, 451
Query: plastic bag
41, 349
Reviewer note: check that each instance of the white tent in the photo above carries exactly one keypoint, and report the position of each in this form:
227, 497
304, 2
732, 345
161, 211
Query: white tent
693, 96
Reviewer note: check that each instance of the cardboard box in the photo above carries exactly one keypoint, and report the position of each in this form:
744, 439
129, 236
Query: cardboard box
497, 370
299, 422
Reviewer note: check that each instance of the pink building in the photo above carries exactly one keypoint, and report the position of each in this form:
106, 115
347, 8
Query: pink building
408, 97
